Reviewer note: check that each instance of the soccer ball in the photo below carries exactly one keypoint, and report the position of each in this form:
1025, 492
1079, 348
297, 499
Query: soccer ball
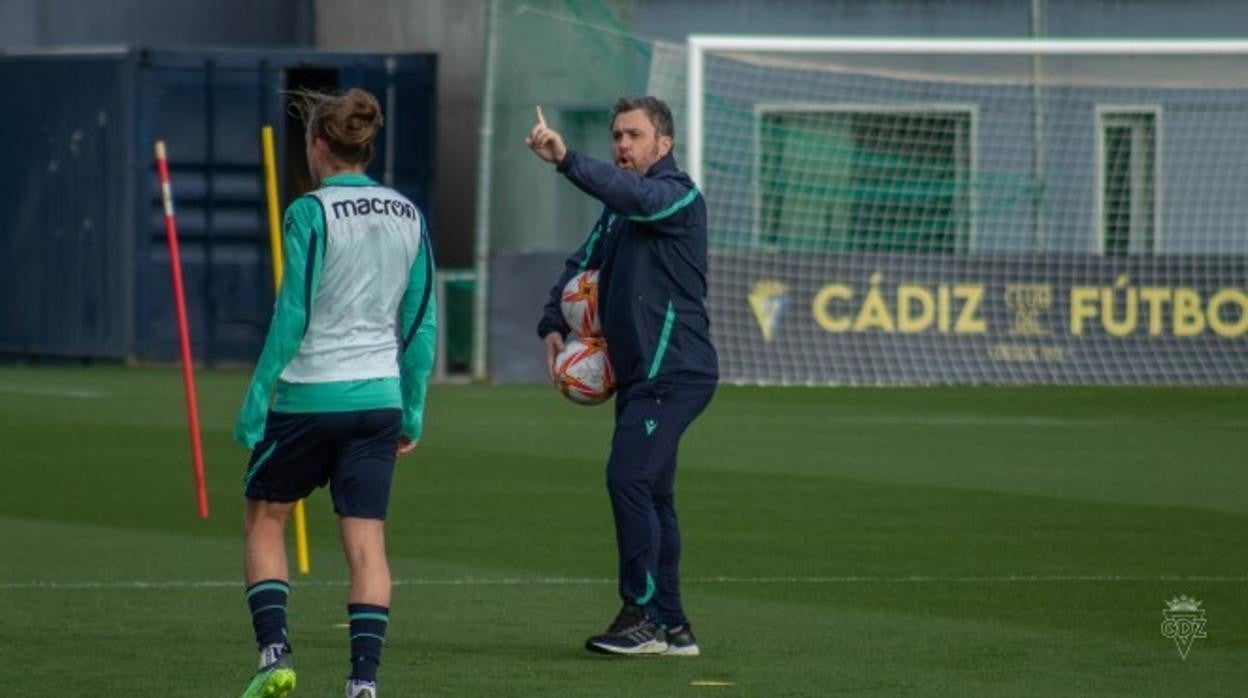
580, 304
583, 371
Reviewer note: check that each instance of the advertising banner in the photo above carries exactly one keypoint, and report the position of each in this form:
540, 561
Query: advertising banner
915, 319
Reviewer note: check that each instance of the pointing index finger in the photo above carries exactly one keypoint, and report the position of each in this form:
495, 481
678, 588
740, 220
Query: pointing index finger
540, 119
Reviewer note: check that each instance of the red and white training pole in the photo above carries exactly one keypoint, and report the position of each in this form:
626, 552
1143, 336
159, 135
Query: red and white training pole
184, 333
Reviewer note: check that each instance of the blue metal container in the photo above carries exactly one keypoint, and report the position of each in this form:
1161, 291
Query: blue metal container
82, 237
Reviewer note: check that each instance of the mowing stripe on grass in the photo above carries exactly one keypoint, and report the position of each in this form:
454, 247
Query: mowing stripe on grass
572, 581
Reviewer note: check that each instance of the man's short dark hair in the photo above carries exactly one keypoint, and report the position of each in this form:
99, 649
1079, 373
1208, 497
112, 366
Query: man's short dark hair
654, 107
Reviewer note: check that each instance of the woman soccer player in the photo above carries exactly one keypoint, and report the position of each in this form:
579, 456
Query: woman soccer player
344, 366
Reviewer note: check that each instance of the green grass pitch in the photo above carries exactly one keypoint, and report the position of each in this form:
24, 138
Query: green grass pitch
874, 542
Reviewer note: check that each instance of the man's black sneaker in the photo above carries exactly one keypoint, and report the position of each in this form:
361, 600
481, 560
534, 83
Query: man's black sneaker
631, 634
681, 642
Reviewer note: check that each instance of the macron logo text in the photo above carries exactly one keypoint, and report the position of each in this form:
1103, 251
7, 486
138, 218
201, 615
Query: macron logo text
364, 206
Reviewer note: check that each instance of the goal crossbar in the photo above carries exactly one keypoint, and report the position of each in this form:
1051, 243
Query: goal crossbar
700, 44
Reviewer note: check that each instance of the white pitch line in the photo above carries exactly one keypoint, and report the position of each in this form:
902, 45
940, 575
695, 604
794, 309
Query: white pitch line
921, 579
213, 584
51, 392
977, 420
965, 420
572, 581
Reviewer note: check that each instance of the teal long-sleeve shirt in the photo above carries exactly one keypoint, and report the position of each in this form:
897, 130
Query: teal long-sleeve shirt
359, 331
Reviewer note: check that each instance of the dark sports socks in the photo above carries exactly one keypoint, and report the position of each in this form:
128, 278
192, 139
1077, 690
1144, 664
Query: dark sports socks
368, 634
267, 599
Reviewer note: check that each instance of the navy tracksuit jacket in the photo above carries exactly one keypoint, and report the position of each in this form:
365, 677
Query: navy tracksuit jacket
650, 250
649, 247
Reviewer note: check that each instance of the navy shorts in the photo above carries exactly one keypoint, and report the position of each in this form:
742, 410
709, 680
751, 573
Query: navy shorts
354, 452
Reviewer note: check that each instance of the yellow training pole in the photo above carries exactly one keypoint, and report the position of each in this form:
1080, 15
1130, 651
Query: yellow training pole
270, 193
275, 244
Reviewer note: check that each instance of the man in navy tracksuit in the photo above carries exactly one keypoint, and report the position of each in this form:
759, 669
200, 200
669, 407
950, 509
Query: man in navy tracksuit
649, 247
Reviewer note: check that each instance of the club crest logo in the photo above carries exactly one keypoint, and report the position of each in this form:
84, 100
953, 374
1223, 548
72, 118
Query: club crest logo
767, 300
1026, 303
1184, 622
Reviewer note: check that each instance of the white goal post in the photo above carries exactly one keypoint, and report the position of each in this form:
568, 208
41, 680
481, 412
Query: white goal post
940, 210
701, 44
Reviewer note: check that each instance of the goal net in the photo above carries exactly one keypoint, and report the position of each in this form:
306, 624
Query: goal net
971, 211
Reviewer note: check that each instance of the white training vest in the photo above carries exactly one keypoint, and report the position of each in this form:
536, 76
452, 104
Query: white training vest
372, 239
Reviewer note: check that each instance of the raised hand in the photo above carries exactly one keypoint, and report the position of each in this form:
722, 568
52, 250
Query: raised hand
544, 141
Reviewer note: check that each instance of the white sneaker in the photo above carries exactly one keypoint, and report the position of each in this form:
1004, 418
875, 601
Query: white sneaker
361, 689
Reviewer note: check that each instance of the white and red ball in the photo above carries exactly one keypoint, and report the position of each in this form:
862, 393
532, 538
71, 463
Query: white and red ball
580, 304
583, 372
